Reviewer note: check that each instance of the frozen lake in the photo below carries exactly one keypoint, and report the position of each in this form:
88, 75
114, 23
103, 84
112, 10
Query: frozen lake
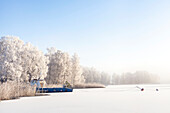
113, 99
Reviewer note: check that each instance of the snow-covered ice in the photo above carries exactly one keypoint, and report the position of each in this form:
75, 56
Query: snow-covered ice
113, 99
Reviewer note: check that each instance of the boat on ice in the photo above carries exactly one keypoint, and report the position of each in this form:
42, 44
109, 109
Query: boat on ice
53, 90
41, 89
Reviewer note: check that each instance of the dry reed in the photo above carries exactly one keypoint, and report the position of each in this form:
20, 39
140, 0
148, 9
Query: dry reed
13, 90
89, 85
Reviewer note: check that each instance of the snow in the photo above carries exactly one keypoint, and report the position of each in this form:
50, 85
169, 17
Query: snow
113, 99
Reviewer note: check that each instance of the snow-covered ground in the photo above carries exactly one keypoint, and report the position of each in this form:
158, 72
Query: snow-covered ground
113, 99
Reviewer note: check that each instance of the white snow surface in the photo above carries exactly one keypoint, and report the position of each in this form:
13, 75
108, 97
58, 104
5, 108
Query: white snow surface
113, 99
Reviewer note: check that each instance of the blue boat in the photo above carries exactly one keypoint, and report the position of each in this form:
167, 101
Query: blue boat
53, 90
41, 89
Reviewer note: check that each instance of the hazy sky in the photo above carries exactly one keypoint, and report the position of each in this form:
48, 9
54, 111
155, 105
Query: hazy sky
111, 35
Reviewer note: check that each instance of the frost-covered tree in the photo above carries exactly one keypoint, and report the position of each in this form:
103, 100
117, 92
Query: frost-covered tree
34, 63
68, 68
21, 61
115, 79
91, 75
139, 77
87, 74
52, 65
57, 66
76, 70
62, 68
105, 78
10, 58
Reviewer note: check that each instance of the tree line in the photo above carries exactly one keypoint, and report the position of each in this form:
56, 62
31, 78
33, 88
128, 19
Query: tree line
25, 62
138, 77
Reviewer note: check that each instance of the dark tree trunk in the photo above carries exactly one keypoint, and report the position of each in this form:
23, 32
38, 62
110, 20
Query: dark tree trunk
30, 76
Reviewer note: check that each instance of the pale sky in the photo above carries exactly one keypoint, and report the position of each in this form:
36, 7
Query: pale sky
115, 36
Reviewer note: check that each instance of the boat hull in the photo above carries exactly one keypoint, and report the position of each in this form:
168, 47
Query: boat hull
53, 90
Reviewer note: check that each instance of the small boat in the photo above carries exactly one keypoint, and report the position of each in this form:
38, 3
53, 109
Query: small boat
53, 90
41, 89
